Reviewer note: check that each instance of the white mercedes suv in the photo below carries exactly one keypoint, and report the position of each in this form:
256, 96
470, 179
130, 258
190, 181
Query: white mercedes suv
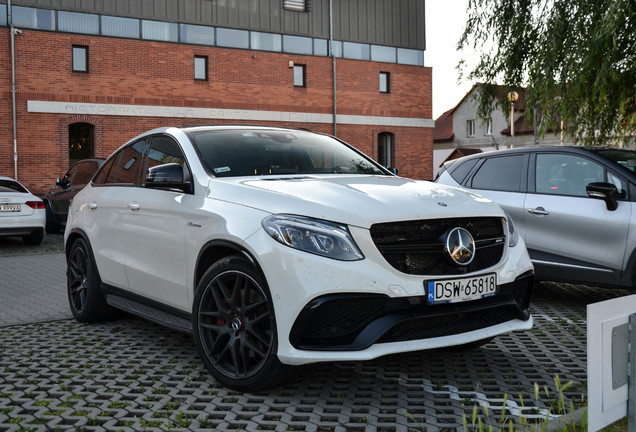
278, 247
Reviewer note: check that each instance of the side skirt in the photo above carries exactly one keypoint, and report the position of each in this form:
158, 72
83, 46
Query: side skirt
176, 320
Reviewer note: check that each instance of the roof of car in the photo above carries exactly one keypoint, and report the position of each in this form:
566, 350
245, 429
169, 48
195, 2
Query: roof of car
97, 159
534, 149
240, 127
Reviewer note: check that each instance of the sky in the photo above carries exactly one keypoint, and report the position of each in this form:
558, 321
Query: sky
445, 20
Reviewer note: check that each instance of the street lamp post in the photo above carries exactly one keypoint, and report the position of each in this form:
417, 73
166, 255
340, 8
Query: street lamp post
512, 97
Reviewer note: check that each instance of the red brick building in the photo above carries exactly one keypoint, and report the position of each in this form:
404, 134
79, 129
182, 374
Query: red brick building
91, 77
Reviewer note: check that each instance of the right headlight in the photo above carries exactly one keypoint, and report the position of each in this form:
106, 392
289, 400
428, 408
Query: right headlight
315, 236
513, 235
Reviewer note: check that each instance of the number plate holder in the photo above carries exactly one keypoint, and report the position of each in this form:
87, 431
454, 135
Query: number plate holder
9, 208
460, 289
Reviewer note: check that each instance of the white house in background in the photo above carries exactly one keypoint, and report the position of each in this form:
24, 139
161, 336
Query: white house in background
461, 129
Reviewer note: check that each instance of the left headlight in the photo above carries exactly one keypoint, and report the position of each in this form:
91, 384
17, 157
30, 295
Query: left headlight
513, 235
315, 236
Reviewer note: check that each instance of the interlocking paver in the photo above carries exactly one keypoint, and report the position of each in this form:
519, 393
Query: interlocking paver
130, 374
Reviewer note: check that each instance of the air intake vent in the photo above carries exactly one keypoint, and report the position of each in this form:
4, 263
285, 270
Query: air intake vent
297, 5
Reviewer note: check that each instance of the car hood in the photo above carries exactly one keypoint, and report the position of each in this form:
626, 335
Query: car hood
359, 200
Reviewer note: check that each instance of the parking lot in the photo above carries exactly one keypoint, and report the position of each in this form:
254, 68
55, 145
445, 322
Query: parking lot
58, 374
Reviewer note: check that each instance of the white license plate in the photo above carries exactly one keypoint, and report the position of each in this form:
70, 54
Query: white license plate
9, 207
462, 289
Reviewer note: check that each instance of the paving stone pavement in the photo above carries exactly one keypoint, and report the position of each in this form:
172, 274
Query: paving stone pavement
33, 289
129, 374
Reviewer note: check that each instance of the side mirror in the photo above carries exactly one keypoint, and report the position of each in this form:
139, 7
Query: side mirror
167, 176
604, 191
62, 182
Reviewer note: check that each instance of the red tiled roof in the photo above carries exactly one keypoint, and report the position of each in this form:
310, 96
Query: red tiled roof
444, 127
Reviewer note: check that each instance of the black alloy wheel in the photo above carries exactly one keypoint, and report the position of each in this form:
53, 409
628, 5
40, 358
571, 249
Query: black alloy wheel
87, 302
234, 326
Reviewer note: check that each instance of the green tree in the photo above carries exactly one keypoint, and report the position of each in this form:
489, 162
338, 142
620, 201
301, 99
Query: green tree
577, 59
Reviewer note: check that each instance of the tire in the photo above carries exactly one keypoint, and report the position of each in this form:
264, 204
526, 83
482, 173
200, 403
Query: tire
85, 297
33, 239
51, 225
234, 326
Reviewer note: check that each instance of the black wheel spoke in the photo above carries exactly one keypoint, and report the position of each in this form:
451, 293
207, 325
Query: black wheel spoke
238, 293
256, 306
256, 348
220, 296
253, 332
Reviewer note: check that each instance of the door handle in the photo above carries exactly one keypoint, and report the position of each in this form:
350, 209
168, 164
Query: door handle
92, 205
539, 211
134, 206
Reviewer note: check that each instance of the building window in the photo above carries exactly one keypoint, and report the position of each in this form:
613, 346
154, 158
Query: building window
80, 142
120, 27
297, 44
321, 47
470, 128
42, 19
489, 126
356, 51
266, 41
232, 38
410, 57
299, 76
80, 58
201, 68
385, 149
196, 34
161, 31
383, 54
297, 5
384, 82
335, 49
74, 22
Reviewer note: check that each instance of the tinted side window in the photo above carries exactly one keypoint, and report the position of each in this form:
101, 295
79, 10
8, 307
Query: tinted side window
500, 173
107, 173
564, 174
462, 170
131, 162
164, 150
87, 171
112, 175
72, 174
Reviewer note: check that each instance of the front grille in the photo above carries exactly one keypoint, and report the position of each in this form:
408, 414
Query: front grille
357, 321
419, 247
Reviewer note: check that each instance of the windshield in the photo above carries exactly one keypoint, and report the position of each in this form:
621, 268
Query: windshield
232, 153
11, 186
626, 158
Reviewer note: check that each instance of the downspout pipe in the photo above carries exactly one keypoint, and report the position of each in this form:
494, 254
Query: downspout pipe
12, 31
333, 66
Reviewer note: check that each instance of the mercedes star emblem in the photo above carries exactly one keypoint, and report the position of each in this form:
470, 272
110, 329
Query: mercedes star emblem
460, 246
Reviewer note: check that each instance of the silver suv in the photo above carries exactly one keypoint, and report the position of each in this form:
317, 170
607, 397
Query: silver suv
574, 206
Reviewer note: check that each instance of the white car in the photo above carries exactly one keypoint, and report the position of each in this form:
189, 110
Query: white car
21, 213
278, 247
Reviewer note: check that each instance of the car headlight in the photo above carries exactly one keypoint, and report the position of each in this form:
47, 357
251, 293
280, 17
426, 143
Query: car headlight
513, 235
314, 236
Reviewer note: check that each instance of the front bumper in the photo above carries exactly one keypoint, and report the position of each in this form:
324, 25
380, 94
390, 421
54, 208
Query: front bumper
349, 322
391, 314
